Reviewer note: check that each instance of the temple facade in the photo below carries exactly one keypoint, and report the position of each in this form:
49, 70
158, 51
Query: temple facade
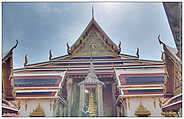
172, 57
172, 106
93, 79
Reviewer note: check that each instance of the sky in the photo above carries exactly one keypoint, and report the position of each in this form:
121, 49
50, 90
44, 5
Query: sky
40, 27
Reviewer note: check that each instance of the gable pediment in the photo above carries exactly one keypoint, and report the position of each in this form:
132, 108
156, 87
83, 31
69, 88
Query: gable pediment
94, 35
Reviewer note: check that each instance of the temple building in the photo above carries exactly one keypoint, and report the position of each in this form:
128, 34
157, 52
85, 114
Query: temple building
172, 57
93, 79
172, 106
9, 107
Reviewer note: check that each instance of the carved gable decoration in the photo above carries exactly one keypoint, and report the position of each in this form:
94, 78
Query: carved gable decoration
38, 112
142, 111
94, 40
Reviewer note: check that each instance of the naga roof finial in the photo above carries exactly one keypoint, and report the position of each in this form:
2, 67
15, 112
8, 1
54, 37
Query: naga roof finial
137, 53
14, 46
50, 54
25, 62
119, 48
160, 40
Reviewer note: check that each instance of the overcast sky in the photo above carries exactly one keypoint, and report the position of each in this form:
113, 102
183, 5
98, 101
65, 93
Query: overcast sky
42, 26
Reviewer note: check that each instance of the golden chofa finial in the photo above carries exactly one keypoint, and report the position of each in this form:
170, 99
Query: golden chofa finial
137, 53
50, 54
25, 62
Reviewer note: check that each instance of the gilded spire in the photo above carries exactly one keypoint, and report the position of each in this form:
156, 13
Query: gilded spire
92, 12
91, 107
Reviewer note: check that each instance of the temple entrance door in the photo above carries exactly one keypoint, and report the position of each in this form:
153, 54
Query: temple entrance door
107, 99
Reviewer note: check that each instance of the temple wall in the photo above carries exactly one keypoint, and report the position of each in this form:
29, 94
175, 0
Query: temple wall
32, 105
76, 96
107, 99
148, 103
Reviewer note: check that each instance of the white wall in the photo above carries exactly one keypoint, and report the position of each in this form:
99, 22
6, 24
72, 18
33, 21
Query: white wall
147, 103
32, 105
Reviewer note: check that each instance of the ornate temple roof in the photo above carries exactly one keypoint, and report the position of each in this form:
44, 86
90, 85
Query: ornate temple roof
140, 82
173, 102
37, 85
9, 106
106, 55
173, 52
103, 42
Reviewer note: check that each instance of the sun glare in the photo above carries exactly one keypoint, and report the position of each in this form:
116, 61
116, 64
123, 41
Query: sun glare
110, 8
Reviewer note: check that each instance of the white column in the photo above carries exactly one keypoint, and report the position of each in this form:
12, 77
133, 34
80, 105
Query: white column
69, 95
82, 96
100, 101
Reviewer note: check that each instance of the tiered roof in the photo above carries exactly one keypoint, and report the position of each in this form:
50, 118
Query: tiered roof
37, 85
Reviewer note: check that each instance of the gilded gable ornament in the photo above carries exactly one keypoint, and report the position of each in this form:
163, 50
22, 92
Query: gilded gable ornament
38, 112
142, 111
